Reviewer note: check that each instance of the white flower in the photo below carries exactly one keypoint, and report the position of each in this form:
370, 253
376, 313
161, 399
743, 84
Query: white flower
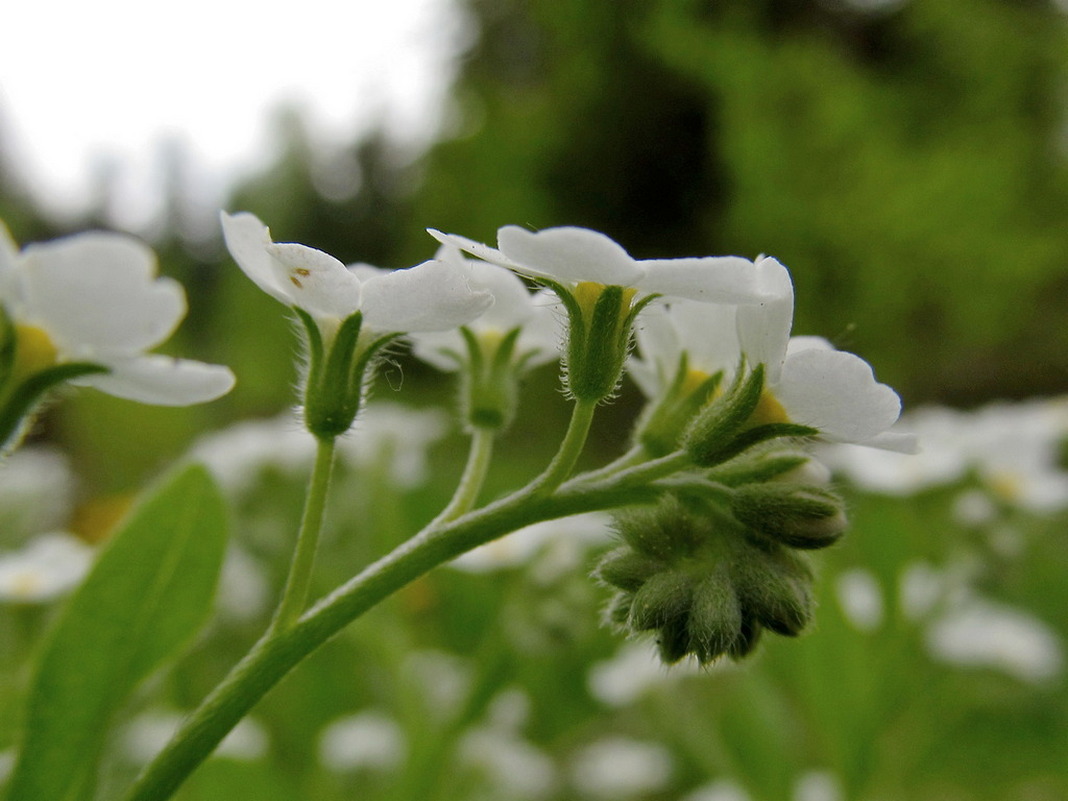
514, 306
49, 566
432, 296
807, 381
95, 298
570, 256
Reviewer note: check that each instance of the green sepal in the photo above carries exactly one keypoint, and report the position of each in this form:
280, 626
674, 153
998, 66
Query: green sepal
662, 424
776, 588
490, 381
710, 436
338, 374
8, 348
749, 468
20, 403
715, 617
626, 569
595, 361
662, 601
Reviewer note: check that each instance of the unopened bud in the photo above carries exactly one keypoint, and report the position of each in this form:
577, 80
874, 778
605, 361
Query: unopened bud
798, 515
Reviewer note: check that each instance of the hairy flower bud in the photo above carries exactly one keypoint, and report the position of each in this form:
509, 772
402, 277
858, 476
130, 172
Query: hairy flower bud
798, 515
694, 579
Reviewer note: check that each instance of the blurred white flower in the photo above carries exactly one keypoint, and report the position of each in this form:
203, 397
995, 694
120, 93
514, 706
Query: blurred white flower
443, 678
635, 669
818, 785
982, 633
719, 790
860, 598
921, 587
238, 455
244, 590
394, 437
516, 768
7, 763
95, 298
618, 767
47, 567
147, 734
366, 740
432, 296
36, 493
1013, 448
562, 541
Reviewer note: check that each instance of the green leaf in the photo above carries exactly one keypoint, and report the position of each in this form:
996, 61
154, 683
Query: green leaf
150, 590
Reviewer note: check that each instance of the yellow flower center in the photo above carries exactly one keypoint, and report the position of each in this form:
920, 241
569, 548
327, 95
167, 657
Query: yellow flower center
34, 350
587, 294
693, 381
769, 410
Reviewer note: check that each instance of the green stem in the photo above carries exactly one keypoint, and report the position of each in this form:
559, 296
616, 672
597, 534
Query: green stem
281, 649
636, 475
574, 440
474, 475
295, 596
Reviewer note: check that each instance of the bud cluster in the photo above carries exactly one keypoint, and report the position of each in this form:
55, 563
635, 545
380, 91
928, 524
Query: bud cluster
707, 577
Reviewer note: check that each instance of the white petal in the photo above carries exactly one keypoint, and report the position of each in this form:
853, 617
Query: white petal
899, 442
798, 344
837, 393
97, 295
569, 255
484, 252
433, 296
247, 240
717, 279
513, 303
436, 349
764, 326
163, 381
317, 282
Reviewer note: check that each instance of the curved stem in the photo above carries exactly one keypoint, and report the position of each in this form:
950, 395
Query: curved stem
574, 440
282, 649
635, 456
295, 595
474, 475
640, 473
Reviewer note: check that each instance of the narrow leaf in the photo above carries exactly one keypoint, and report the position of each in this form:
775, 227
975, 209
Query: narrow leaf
150, 590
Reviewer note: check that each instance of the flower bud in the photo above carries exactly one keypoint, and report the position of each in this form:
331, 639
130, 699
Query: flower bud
700, 585
798, 515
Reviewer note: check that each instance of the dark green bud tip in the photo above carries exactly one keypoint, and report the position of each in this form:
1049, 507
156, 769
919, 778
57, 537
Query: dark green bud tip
798, 515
